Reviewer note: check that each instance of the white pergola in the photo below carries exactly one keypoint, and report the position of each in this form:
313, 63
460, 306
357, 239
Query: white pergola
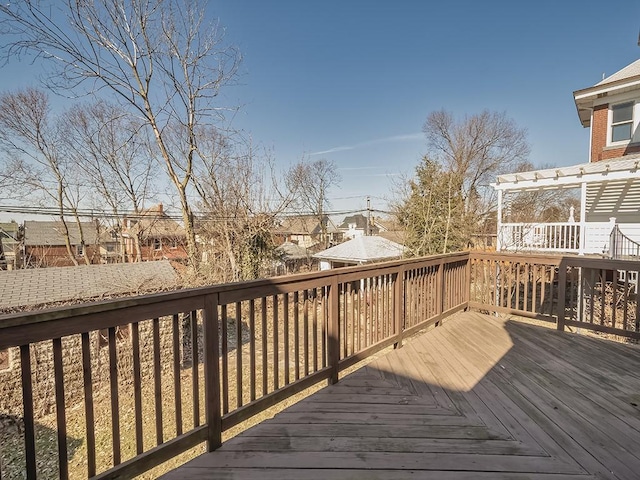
609, 194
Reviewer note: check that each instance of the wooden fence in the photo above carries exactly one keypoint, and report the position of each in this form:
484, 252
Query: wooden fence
153, 376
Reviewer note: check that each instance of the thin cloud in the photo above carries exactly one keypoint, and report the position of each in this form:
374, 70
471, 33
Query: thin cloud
395, 138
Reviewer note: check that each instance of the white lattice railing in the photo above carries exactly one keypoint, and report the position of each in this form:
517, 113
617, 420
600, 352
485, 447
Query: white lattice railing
555, 237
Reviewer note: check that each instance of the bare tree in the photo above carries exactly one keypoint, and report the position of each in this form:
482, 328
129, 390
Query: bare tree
241, 198
30, 134
158, 57
111, 150
476, 149
312, 181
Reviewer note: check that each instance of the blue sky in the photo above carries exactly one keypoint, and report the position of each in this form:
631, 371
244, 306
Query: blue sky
357, 79
353, 81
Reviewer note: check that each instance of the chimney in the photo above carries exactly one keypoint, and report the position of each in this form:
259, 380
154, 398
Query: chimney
160, 208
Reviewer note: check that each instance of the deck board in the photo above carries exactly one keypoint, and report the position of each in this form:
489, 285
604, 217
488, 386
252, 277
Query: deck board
477, 398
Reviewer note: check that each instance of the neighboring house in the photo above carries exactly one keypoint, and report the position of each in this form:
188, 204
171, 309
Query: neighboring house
356, 226
358, 251
153, 235
44, 243
608, 221
306, 231
10, 233
390, 229
293, 259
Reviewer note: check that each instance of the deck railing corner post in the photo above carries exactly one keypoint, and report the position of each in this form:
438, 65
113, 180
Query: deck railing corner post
213, 410
398, 307
562, 292
333, 329
440, 286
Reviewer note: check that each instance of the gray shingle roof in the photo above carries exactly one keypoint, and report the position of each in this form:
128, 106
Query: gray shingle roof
50, 233
362, 249
629, 71
19, 288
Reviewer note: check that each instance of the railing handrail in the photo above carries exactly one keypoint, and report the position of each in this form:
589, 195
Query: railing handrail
101, 306
536, 224
616, 238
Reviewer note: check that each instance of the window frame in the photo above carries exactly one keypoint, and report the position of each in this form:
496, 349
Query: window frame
613, 124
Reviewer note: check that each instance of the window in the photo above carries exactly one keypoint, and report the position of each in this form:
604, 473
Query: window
157, 244
621, 122
79, 250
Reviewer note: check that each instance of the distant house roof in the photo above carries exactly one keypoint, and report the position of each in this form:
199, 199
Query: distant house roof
291, 251
51, 233
362, 249
360, 222
20, 288
305, 225
9, 229
154, 223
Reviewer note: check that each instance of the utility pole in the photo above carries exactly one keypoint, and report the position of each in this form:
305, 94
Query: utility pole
368, 230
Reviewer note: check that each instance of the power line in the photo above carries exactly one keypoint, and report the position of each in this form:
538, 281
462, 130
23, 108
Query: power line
200, 215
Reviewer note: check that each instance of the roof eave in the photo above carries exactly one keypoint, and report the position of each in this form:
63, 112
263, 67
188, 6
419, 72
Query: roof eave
585, 98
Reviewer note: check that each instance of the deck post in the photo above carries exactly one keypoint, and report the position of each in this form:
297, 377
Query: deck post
213, 412
398, 304
333, 329
562, 293
440, 290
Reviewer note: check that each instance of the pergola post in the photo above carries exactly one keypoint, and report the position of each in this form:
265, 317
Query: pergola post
583, 220
498, 242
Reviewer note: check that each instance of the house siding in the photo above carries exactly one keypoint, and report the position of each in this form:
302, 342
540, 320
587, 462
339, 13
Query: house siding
57, 256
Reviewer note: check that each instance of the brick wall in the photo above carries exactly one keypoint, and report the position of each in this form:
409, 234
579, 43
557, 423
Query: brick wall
599, 126
57, 256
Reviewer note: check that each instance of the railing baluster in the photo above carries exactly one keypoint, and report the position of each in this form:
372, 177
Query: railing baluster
224, 337
157, 377
265, 359
296, 333
177, 391
195, 376
276, 348
285, 336
61, 417
239, 390
305, 327
88, 405
252, 349
115, 404
27, 402
137, 386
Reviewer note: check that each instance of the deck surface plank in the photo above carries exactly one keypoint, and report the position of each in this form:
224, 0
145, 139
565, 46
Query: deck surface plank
477, 398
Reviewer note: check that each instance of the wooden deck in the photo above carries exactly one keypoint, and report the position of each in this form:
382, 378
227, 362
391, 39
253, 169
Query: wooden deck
477, 398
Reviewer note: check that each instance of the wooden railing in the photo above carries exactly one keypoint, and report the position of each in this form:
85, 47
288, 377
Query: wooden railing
575, 291
115, 388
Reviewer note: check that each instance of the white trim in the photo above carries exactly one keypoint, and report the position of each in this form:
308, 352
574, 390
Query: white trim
627, 168
605, 89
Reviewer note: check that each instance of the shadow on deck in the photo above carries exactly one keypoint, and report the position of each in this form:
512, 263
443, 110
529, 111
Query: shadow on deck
478, 398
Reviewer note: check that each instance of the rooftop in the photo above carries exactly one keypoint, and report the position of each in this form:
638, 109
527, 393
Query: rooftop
21, 288
362, 249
